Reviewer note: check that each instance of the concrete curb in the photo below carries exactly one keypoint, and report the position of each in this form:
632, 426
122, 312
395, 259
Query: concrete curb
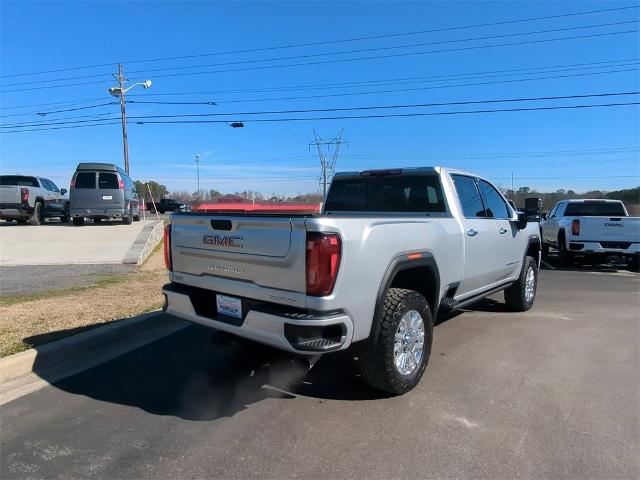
147, 239
25, 372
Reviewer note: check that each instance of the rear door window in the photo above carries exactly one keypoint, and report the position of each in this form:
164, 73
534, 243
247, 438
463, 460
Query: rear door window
108, 181
495, 206
469, 196
85, 180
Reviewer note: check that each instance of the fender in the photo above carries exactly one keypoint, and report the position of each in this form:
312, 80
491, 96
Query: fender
533, 239
402, 262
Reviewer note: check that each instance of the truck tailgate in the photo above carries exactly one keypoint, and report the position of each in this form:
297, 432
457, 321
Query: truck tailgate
268, 251
9, 194
619, 229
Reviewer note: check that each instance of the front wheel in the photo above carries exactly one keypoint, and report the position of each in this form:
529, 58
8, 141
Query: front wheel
396, 355
78, 221
521, 295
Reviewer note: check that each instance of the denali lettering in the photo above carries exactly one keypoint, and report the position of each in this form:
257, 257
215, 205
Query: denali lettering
222, 241
616, 224
217, 268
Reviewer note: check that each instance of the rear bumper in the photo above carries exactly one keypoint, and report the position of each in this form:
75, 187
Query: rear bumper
15, 210
298, 332
604, 247
98, 212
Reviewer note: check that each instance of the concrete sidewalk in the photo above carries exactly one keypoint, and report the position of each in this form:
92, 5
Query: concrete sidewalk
66, 244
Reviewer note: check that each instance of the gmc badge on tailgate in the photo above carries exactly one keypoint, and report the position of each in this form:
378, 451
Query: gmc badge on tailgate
222, 241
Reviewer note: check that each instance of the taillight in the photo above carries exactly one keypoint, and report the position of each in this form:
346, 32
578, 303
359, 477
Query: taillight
121, 184
167, 248
24, 195
575, 227
323, 261
73, 183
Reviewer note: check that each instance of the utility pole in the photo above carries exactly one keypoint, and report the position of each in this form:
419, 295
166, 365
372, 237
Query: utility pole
512, 192
123, 113
120, 91
327, 163
198, 170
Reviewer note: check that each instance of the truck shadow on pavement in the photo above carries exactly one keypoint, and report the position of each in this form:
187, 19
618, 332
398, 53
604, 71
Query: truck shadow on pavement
184, 375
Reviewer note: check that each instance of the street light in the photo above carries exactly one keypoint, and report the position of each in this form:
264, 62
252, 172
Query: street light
120, 92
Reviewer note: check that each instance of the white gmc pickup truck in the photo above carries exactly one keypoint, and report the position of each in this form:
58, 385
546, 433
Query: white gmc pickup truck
596, 228
390, 248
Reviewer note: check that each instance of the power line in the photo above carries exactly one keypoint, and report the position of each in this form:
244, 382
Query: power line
341, 109
354, 117
324, 54
324, 62
328, 42
578, 66
395, 81
377, 49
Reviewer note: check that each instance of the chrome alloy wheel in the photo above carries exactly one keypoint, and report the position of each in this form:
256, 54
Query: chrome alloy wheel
408, 347
530, 285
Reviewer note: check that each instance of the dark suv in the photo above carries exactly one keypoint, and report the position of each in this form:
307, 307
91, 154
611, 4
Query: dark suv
102, 191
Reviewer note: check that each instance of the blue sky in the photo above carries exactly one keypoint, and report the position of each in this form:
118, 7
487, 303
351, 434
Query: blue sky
542, 149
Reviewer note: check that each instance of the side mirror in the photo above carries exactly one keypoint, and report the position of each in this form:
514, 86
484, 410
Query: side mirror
63, 191
519, 218
543, 215
532, 209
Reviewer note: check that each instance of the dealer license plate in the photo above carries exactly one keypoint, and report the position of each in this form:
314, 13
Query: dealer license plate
229, 306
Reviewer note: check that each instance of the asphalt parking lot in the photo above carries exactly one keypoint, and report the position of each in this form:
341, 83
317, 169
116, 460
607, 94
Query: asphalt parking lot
549, 393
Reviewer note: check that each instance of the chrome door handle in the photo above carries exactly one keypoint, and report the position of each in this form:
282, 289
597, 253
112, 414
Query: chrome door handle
502, 230
471, 232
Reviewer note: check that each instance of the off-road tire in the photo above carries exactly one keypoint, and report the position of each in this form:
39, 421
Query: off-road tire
78, 221
564, 256
376, 356
515, 295
36, 217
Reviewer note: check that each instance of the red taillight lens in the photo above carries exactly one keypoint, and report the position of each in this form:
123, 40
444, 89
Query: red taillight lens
575, 227
323, 260
24, 195
168, 261
121, 184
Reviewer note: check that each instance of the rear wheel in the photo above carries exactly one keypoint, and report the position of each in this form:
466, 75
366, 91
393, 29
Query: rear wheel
634, 263
564, 255
136, 218
521, 295
396, 355
36, 217
545, 250
97, 220
78, 221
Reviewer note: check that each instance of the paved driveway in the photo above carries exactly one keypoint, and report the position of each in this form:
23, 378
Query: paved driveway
59, 244
552, 393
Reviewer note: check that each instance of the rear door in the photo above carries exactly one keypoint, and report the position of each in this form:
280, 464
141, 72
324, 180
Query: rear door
53, 201
499, 213
110, 195
83, 190
482, 253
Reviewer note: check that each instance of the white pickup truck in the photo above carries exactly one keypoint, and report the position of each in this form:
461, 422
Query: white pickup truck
390, 248
25, 198
591, 227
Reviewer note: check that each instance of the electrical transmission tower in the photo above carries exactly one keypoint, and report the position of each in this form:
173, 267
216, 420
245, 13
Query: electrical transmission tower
328, 160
